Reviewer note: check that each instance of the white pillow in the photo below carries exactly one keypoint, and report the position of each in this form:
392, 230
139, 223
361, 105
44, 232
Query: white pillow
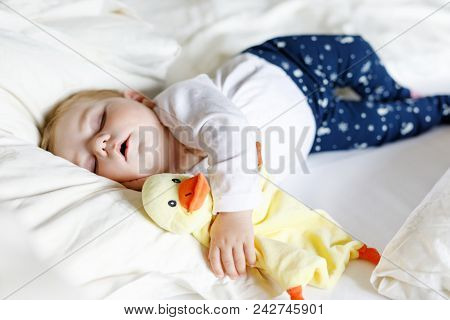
36, 70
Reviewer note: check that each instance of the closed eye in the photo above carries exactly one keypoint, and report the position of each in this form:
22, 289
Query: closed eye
102, 121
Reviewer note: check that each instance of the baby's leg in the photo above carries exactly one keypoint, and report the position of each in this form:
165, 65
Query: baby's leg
350, 61
359, 124
319, 63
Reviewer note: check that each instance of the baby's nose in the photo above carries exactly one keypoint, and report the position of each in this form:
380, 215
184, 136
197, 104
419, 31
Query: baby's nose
101, 144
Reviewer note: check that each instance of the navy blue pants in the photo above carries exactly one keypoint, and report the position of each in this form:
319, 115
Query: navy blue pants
385, 112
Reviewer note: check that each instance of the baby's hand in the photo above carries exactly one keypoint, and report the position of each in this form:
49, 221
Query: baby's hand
232, 242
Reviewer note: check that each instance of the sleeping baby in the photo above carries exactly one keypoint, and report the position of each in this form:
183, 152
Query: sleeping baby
281, 94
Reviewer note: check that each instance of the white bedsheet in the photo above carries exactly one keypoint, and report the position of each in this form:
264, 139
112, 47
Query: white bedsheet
372, 192
369, 192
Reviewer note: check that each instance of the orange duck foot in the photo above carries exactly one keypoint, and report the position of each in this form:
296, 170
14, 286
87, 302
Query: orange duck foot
296, 293
369, 254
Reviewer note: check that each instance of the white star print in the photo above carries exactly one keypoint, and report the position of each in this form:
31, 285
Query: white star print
366, 66
446, 110
323, 131
285, 65
297, 73
343, 126
382, 111
363, 80
379, 90
319, 73
407, 128
360, 146
323, 102
346, 40
308, 60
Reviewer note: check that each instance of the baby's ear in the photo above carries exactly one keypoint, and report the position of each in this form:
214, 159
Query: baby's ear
137, 96
133, 95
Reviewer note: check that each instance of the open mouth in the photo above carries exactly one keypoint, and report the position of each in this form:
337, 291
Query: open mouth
124, 148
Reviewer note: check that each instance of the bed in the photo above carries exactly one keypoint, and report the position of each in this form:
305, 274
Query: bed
86, 236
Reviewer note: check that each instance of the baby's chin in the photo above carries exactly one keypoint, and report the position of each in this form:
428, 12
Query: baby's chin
139, 173
122, 174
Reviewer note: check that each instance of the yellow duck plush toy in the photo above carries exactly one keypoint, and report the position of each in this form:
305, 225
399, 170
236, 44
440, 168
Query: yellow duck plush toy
294, 244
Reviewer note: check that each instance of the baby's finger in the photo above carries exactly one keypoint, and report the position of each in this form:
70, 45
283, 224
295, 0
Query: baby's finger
239, 259
250, 255
228, 262
214, 260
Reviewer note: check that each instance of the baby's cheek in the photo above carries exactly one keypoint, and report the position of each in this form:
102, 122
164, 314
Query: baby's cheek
151, 162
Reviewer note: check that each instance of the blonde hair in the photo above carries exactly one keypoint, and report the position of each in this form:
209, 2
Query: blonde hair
52, 117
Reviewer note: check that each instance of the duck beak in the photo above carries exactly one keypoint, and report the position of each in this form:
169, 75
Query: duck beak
192, 192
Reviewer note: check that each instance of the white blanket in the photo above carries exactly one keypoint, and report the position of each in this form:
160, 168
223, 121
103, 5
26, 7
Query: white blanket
416, 262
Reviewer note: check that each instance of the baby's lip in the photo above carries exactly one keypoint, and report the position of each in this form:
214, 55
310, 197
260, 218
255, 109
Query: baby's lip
125, 152
127, 147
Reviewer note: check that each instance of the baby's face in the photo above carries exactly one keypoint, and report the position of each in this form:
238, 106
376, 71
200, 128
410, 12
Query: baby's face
117, 138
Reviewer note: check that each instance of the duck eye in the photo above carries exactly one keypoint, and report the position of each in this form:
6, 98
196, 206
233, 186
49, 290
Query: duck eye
176, 180
172, 203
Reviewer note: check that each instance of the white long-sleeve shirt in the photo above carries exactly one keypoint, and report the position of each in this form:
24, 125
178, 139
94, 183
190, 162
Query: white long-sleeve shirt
247, 99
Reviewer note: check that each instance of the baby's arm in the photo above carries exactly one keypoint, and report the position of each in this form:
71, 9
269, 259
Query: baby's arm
201, 117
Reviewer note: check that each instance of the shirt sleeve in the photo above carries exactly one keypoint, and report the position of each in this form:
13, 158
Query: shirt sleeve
201, 117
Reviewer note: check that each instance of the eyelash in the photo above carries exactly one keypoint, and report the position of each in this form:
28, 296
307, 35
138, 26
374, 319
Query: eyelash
102, 123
